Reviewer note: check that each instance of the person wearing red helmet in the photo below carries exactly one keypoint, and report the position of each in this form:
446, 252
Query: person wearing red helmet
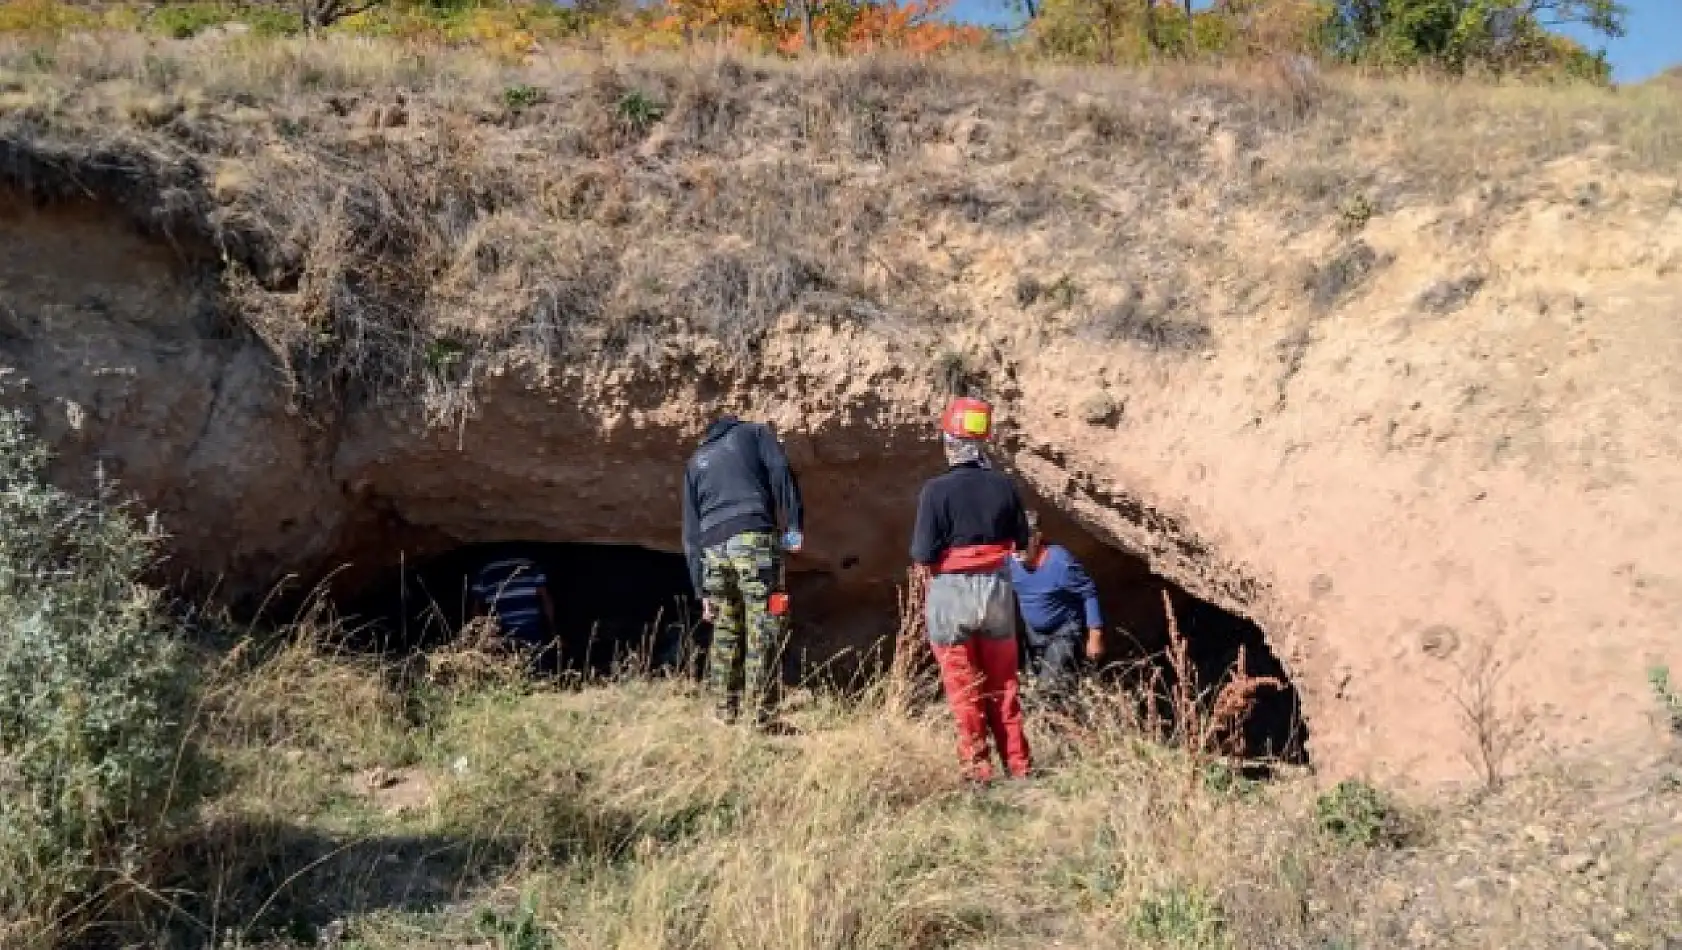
970, 519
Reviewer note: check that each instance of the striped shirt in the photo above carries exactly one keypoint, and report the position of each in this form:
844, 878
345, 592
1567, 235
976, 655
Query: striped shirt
509, 589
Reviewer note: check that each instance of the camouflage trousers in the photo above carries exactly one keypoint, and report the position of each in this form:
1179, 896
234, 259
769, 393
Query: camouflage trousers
739, 579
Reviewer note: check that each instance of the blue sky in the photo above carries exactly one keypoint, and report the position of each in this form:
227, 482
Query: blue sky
1654, 42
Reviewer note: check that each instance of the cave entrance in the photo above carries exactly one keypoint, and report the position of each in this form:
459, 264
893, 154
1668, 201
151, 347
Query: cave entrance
1273, 728
611, 602
1138, 658
614, 602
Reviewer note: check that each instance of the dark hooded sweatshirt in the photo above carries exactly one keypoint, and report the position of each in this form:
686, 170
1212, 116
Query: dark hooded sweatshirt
736, 481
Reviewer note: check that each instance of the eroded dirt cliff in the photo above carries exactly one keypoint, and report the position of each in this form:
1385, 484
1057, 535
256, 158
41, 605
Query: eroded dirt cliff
1394, 376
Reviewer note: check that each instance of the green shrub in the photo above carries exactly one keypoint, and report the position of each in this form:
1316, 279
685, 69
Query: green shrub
638, 111
1670, 701
95, 692
520, 96
1180, 918
186, 20
520, 930
1220, 778
273, 21
1359, 815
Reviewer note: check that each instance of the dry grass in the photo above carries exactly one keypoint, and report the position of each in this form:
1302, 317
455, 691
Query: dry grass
515, 814
394, 221
398, 219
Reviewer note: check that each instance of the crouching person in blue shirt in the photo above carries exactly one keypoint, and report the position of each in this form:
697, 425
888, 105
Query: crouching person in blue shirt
1059, 604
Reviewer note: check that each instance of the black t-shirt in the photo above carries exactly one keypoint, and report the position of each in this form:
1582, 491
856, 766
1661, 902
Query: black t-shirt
968, 505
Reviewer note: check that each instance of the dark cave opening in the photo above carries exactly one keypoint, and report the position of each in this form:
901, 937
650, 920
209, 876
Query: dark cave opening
612, 603
1274, 728
619, 604
616, 603
1137, 659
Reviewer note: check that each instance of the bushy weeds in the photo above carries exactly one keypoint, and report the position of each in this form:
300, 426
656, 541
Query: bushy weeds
617, 816
1357, 814
95, 695
386, 803
1669, 699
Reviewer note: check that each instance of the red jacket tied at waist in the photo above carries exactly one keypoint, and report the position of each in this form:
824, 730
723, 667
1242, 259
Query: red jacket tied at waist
973, 558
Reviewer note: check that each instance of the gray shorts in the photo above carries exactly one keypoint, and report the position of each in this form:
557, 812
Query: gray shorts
964, 605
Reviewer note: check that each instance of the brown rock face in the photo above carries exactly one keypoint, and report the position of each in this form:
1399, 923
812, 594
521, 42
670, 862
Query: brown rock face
133, 378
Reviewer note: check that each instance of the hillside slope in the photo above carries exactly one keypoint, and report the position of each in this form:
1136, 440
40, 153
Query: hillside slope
1388, 370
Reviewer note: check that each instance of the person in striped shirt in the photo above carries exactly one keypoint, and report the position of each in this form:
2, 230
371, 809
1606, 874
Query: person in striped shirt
514, 591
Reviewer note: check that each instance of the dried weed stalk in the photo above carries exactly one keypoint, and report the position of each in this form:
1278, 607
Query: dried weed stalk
1497, 725
1233, 705
908, 672
1219, 731
478, 658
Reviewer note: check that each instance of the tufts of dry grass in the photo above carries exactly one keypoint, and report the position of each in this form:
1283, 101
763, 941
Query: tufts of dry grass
377, 805
398, 220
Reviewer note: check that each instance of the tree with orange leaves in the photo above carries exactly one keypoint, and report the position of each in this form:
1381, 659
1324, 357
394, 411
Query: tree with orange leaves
913, 26
726, 20
842, 26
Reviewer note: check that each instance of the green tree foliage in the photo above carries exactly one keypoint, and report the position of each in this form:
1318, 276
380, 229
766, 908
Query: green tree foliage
1498, 35
1098, 30
95, 694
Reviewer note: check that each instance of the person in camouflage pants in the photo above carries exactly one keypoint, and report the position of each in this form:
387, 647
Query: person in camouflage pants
735, 486
742, 580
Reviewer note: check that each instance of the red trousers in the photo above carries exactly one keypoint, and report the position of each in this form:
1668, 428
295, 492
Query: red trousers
981, 687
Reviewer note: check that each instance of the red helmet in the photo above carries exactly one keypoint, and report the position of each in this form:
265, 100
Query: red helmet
967, 418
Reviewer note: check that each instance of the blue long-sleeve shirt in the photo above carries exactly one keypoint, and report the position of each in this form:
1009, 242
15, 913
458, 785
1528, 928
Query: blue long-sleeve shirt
1057, 593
